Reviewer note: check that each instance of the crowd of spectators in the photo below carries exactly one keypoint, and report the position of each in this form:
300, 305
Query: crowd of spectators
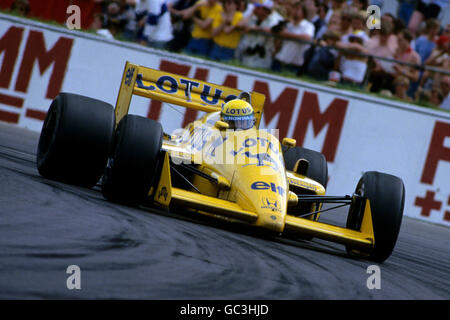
327, 40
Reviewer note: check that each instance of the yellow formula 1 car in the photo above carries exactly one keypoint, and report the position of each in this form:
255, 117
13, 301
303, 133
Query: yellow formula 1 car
221, 165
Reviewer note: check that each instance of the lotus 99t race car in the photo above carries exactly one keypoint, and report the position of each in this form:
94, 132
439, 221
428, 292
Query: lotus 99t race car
221, 165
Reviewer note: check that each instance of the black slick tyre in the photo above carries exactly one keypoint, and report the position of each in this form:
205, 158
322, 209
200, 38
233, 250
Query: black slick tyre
386, 194
75, 139
133, 166
318, 168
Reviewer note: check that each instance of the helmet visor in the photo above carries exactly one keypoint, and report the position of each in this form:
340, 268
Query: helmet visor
240, 123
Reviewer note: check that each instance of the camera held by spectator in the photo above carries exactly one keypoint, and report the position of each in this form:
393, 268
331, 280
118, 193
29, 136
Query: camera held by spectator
280, 26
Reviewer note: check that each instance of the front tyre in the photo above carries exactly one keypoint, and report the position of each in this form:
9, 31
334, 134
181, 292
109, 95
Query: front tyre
386, 194
133, 167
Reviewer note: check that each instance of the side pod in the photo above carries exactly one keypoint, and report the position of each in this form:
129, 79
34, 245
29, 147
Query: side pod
165, 195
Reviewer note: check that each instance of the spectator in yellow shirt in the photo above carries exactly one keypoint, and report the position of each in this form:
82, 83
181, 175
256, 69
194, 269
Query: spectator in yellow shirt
225, 31
202, 13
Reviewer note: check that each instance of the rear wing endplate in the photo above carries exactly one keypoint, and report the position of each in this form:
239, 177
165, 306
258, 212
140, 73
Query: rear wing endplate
175, 89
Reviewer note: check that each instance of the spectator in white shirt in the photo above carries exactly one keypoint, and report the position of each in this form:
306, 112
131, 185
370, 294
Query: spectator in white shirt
290, 55
97, 26
256, 50
157, 23
353, 67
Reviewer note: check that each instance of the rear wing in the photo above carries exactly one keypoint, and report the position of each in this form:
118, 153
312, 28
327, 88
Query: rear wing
175, 89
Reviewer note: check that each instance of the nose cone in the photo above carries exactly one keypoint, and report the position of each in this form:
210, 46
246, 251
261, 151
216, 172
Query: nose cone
260, 182
265, 195
252, 161
268, 197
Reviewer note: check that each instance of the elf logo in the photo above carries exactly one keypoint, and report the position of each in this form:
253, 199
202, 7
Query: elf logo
261, 185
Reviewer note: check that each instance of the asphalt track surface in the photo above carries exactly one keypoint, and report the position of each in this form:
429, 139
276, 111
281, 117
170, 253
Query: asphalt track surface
137, 253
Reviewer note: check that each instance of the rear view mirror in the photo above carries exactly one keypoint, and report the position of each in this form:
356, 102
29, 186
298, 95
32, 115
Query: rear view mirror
289, 142
221, 125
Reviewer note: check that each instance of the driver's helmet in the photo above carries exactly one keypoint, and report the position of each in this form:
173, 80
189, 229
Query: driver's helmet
238, 114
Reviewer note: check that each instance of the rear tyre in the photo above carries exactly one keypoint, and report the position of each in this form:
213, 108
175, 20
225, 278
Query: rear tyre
318, 168
386, 194
75, 139
134, 163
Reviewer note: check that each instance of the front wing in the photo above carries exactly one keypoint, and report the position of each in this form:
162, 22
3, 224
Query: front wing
164, 195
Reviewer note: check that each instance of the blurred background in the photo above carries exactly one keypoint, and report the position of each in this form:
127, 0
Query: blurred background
405, 57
